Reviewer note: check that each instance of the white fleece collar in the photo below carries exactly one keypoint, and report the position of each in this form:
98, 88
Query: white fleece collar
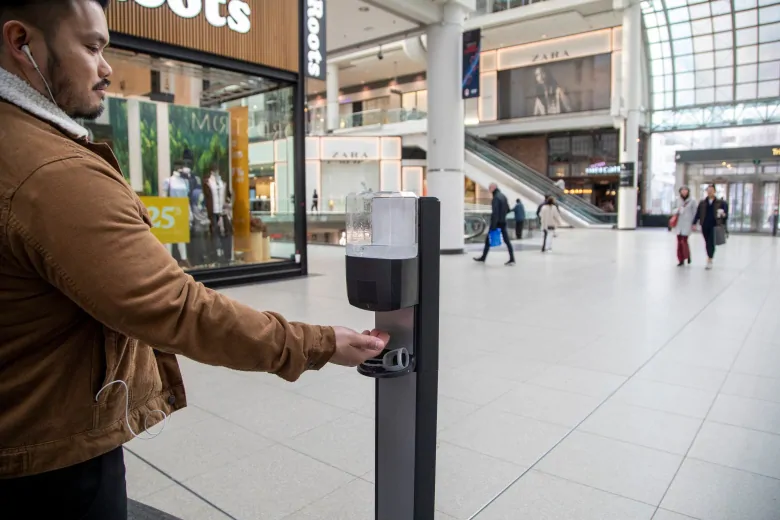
18, 92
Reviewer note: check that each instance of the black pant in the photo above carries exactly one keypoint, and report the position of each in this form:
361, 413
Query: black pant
92, 490
709, 240
519, 229
315, 206
548, 233
505, 236
222, 239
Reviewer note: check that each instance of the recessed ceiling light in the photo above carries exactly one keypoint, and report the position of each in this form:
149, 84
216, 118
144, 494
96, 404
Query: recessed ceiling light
544, 36
363, 9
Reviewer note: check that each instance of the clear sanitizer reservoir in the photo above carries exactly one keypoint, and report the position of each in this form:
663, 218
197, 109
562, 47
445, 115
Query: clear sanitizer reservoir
382, 225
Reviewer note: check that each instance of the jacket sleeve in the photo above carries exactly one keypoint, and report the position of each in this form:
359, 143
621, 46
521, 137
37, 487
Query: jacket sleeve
494, 213
84, 231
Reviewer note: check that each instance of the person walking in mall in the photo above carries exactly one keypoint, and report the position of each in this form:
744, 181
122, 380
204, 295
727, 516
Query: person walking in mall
550, 217
545, 202
499, 211
93, 309
519, 211
315, 202
713, 214
774, 221
684, 215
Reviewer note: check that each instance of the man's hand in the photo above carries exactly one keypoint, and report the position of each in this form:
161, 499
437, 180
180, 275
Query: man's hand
352, 348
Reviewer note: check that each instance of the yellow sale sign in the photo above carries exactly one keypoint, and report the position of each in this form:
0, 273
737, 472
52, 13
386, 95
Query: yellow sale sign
170, 218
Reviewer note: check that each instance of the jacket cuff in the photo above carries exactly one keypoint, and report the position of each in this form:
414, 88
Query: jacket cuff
323, 350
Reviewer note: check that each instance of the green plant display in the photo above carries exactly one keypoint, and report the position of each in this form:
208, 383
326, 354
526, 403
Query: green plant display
149, 163
206, 133
120, 143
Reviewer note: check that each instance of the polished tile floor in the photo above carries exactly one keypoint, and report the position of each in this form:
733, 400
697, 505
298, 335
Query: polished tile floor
596, 382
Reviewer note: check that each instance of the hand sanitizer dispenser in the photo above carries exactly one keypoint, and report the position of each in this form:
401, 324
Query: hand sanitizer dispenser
392, 269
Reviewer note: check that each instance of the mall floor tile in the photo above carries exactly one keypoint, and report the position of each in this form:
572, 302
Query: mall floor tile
599, 381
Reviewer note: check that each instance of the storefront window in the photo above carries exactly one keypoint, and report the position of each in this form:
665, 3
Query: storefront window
665, 146
181, 134
588, 162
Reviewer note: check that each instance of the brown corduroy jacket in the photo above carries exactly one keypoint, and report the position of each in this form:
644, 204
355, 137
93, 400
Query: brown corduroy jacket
88, 296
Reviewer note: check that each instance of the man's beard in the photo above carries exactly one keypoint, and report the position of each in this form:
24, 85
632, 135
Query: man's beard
64, 92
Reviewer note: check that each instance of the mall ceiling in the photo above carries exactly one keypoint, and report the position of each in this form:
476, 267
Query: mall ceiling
527, 24
355, 24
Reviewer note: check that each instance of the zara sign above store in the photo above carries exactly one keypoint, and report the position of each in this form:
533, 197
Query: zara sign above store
233, 13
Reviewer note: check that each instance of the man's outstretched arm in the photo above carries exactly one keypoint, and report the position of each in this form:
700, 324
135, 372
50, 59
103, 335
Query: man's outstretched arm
81, 229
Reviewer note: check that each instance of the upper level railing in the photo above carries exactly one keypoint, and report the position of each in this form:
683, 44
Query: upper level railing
494, 6
535, 180
381, 117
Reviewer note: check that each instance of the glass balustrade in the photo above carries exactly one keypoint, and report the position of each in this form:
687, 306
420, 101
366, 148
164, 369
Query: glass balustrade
508, 164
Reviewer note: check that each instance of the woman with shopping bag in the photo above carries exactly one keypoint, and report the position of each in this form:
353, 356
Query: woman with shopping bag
550, 217
682, 224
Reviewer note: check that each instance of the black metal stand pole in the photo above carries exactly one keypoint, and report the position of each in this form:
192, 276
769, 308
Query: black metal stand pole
406, 406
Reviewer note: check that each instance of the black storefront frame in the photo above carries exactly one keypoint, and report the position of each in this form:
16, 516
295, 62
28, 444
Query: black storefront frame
249, 273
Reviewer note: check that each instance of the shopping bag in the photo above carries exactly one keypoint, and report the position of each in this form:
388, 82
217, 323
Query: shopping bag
720, 235
673, 222
495, 237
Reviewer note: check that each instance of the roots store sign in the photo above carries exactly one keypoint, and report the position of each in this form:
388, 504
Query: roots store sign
314, 32
235, 14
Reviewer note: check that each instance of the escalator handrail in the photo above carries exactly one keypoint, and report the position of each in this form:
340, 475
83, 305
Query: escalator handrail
537, 181
583, 209
543, 184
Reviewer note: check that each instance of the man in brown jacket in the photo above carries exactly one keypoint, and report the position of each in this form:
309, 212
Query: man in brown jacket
88, 296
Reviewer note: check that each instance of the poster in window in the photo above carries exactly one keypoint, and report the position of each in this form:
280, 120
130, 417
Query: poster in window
561, 87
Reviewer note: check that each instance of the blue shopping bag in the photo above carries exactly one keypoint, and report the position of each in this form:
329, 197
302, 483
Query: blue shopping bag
495, 237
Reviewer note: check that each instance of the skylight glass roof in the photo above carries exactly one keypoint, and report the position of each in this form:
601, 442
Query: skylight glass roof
718, 52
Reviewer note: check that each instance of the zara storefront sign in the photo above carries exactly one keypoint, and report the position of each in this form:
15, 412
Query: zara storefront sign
219, 13
314, 33
558, 49
350, 149
550, 56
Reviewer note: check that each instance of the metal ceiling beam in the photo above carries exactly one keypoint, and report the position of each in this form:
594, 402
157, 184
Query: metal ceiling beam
751, 113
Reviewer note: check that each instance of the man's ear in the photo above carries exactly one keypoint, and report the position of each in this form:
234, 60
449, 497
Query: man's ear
15, 35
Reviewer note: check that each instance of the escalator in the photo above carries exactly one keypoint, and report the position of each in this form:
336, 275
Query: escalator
539, 185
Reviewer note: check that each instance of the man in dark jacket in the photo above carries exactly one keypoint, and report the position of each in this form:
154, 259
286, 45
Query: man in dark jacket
500, 208
519, 211
712, 212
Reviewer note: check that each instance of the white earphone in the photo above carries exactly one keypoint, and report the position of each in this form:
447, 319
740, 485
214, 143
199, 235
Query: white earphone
26, 50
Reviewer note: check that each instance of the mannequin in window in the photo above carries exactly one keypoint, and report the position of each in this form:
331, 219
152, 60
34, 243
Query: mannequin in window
217, 195
315, 202
178, 186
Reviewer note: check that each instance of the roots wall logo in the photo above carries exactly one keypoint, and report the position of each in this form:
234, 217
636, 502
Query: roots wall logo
315, 39
233, 13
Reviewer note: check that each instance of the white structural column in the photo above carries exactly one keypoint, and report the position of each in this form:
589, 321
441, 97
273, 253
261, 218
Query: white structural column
446, 142
631, 94
332, 94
